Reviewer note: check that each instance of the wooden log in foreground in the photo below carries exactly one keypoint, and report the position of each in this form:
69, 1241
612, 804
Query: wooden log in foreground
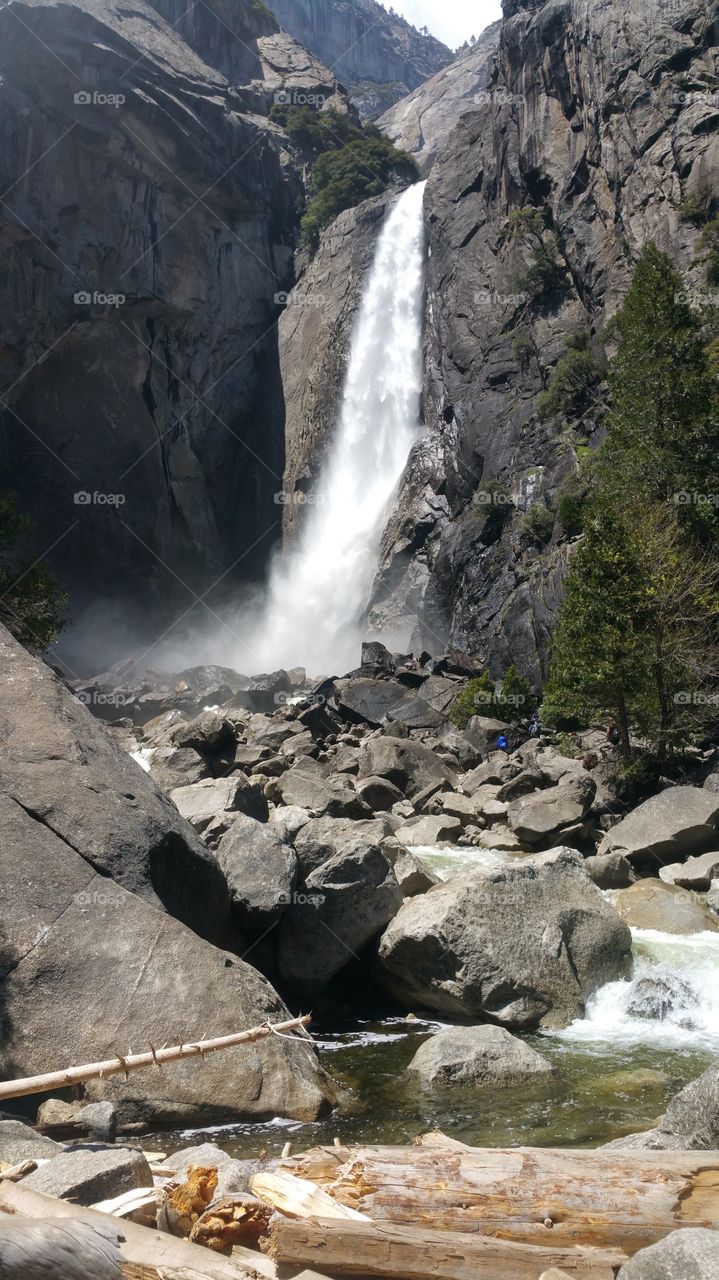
347, 1247
560, 1198
136, 1061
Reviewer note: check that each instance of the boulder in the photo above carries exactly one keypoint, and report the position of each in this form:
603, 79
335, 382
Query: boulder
478, 1057
208, 733
347, 903
524, 945
88, 969
379, 793
523, 784
690, 1123
290, 818
97, 1120
712, 898
610, 871
430, 830
689, 1254
375, 702
541, 816
322, 838
19, 1142
261, 869
482, 732
656, 998
87, 1174
213, 797
61, 766
409, 765
651, 904
695, 873
456, 805
666, 828
496, 770
172, 767
317, 796
412, 875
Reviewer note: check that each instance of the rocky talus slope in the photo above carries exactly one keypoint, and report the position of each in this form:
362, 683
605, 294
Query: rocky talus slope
602, 117
377, 54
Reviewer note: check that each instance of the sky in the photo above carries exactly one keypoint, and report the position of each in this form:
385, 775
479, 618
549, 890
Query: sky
452, 21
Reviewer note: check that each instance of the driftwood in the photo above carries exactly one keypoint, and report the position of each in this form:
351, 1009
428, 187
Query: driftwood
611, 1199
136, 1061
349, 1248
53, 1249
299, 1198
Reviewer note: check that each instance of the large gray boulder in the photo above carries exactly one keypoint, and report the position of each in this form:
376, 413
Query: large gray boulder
442, 828
204, 801
543, 815
666, 828
376, 702
261, 869
61, 766
651, 904
482, 732
335, 799
523, 944
689, 1254
88, 969
320, 839
343, 905
695, 873
409, 765
19, 1142
478, 1057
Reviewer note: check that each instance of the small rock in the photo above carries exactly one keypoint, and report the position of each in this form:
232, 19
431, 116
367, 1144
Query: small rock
88, 1174
379, 793
610, 871
203, 801
695, 873
459, 806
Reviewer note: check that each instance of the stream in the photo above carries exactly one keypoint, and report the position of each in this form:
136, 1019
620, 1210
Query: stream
616, 1071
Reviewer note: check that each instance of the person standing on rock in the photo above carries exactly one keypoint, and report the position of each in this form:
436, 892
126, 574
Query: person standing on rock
502, 744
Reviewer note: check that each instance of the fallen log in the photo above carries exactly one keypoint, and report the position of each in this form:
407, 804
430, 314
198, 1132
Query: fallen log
299, 1198
605, 1198
55, 1250
349, 1248
136, 1061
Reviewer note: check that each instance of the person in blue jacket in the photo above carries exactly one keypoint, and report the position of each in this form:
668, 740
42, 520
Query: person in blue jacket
502, 744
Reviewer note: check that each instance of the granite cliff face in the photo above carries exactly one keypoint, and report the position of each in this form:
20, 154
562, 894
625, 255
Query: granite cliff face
378, 55
148, 220
422, 122
602, 118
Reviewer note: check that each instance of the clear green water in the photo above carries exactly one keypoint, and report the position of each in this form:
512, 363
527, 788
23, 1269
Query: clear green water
615, 1073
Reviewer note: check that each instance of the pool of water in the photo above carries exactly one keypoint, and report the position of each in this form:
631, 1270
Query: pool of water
616, 1070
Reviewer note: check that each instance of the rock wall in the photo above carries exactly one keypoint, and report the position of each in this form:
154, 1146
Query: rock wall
377, 54
603, 116
131, 167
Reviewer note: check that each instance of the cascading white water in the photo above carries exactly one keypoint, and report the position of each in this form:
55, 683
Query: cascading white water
687, 969
318, 590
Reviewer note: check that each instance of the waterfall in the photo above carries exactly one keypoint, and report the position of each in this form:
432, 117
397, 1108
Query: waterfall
319, 589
